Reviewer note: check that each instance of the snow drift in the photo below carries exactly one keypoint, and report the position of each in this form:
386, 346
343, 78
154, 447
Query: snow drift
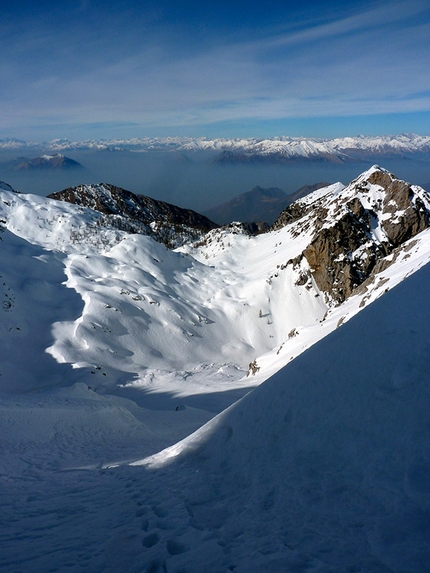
324, 467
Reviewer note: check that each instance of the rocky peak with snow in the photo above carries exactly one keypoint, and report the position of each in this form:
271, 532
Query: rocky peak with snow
351, 228
133, 213
51, 162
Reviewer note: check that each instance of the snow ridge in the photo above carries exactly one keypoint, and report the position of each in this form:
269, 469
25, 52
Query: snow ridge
164, 222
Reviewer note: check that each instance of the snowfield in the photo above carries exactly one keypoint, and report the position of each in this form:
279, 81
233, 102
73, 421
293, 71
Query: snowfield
201, 409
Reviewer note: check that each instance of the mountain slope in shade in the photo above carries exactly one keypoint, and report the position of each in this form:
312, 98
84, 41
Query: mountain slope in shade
325, 467
56, 162
259, 204
5, 186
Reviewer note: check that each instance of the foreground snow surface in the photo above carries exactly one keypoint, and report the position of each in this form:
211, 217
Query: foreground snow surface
325, 467
107, 463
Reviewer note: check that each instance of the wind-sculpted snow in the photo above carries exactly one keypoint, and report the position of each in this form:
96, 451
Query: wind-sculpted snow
322, 468
117, 351
134, 289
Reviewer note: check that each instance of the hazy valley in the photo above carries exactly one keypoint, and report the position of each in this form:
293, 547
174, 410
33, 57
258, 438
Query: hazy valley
188, 172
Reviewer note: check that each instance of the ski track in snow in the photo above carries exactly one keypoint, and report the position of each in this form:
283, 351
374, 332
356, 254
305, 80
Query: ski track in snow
111, 458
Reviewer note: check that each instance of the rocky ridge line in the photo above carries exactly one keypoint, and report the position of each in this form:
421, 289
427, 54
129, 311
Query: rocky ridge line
353, 228
133, 213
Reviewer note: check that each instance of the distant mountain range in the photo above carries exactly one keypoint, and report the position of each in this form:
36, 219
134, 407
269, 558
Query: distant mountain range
258, 205
340, 150
54, 162
278, 149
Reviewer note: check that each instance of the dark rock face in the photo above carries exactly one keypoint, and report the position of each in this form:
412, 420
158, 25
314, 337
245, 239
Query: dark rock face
353, 229
139, 214
292, 213
331, 258
55, 162
399, 198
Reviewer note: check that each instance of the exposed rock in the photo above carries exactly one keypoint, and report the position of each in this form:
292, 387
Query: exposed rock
292, 213
341, 257
166, 223
354, 228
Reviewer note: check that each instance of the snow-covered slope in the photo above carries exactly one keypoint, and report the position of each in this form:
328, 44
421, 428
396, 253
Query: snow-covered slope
134, 290
164, 222
114, 348
226, 300
325, 467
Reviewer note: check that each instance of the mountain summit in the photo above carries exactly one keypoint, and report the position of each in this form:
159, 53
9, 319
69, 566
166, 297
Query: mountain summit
55, 162
352, 228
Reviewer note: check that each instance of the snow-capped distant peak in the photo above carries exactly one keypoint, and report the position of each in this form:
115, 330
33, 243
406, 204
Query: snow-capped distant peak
281, 148
51, 157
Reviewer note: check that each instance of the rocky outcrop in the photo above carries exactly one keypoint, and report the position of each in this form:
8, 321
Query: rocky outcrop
404, 214
166, 223
354, 228
293, 212
342, 257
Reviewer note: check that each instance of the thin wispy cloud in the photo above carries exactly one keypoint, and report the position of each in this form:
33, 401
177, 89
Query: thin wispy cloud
370, 59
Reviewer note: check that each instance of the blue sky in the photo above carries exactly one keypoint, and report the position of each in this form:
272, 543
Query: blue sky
91, 69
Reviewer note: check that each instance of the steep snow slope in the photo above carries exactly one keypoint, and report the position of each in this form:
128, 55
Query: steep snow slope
325, 467
322, 468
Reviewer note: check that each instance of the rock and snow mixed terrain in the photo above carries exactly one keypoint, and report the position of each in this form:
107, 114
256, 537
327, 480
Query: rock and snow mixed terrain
45, 163
116, 351
166, 223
